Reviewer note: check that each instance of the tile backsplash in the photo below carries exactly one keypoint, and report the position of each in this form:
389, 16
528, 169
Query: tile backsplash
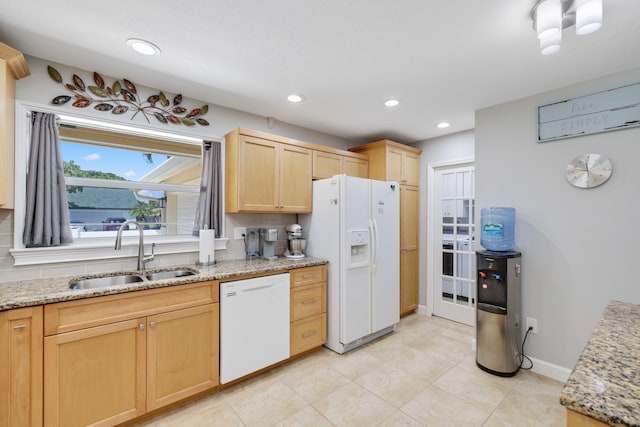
235, 249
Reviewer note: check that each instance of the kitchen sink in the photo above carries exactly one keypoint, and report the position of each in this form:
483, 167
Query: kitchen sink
125, 279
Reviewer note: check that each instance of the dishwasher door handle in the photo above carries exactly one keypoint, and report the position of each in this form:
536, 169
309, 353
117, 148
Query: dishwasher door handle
249, 290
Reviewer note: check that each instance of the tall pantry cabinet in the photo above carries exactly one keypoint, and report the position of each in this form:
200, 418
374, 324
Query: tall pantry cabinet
392, 161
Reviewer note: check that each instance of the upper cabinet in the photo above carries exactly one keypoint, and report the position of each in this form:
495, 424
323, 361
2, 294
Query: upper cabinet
273, 174
266, 175
12, 67
392, 161
334, 162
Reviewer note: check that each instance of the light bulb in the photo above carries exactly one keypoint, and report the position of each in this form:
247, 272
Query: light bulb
588, 16
548, 18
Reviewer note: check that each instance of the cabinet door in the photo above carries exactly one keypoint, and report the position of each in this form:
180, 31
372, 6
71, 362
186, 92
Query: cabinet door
409, 217
182, 354
326, 165
95, 376
394, 165
257, 175
411, 169
408, 281
21, 367
294, 184
356, 167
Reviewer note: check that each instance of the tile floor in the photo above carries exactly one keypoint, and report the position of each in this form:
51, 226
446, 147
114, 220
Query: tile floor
423, 374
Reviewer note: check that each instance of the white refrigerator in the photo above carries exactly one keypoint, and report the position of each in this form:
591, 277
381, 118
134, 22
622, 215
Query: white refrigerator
355, 225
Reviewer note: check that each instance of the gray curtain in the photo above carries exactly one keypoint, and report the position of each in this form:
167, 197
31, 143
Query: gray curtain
47, 212
209, 209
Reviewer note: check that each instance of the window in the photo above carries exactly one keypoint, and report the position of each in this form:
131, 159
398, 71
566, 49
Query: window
108, 183
113, 174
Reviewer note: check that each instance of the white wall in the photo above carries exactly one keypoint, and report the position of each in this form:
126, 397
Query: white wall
579, 246
437, 151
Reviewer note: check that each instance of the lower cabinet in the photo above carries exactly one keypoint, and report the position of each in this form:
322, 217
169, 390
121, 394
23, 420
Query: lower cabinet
21, 367
308, 308
106, 374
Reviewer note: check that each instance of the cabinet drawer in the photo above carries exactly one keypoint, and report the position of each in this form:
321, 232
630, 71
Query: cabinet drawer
308, 333
308, 275
308, 301
73, 315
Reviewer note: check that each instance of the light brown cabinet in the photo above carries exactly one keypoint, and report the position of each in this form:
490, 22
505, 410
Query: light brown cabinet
265, 175
575, 419
308, 308
391, 161
21, 367
327, 164
110, 359
12, 67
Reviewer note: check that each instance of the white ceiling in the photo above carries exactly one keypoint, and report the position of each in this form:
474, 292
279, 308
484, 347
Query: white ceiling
442, 59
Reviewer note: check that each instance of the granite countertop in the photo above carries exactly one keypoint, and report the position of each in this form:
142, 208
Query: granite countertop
605, 383
44, 291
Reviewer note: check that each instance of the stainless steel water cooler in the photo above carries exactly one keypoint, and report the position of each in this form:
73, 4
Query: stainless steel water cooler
498, 330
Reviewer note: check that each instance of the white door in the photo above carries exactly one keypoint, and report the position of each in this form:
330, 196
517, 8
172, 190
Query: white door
454, 263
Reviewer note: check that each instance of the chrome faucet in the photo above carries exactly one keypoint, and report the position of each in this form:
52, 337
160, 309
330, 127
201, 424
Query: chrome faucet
142, 258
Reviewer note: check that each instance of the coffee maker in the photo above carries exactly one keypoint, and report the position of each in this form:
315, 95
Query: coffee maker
268, 238
295, 242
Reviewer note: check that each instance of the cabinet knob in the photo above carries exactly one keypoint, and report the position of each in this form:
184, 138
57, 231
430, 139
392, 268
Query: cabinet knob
19, 326
309, 301
141, 326
152, 324
308, 334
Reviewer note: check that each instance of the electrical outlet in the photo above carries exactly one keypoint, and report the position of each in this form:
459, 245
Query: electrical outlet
239, 232
533, 324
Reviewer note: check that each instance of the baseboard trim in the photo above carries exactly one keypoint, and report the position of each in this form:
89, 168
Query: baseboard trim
422, 309
550, 370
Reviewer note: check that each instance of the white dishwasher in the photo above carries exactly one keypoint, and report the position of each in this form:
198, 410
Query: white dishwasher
254, 325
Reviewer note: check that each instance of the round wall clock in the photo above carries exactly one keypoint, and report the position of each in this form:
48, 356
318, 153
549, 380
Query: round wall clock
589, 171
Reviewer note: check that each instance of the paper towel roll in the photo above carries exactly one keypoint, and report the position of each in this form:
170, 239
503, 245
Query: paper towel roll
207, 247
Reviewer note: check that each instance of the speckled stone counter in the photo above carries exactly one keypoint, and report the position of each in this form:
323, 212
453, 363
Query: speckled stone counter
45, 291
605, 383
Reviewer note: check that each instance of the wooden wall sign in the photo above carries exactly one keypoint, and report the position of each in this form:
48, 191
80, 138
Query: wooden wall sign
604, 111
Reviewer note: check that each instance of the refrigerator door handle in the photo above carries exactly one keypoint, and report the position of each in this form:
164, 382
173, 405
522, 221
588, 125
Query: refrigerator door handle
374, 243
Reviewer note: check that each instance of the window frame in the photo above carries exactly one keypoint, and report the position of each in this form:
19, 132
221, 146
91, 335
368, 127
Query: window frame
92, 249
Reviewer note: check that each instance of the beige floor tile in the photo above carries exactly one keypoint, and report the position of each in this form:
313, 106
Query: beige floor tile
353, 405
392, 384
473, 387
424, 366
400, 419
208, 411
355, 363
313, 384
446, 348
469, 364
265, 402
308, 417
388, 347
528, 411
544, 388
436, 408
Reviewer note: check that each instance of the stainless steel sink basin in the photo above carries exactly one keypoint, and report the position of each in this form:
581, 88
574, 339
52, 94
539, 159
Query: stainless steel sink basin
125, 279
101, 282
161, 275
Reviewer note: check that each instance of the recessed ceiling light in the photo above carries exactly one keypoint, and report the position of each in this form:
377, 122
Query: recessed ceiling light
144, 47
443, 125
295, 98
391, 102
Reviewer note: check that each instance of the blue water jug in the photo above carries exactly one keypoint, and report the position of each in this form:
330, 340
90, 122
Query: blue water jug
497, 228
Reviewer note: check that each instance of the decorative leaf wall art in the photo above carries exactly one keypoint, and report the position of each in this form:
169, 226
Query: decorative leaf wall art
123, 96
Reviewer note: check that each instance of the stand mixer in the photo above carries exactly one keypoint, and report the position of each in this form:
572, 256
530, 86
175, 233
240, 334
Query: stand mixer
295, 242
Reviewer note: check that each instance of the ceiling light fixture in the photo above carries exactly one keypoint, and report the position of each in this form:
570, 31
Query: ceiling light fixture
143, 47
443, 125
295, 98
550, 17
391, 103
